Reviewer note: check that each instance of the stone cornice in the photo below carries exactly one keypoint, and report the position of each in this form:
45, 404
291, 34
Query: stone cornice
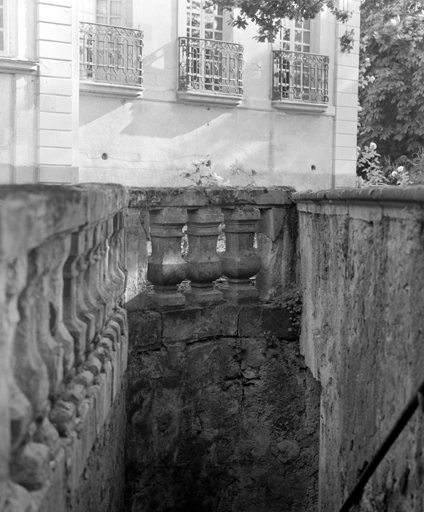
205, 196
111, 90
300, 107
209, 98
18, 66
393, 194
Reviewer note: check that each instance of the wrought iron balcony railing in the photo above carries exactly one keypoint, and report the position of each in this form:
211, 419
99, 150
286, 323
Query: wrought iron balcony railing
110, 54
300, 76
207, 65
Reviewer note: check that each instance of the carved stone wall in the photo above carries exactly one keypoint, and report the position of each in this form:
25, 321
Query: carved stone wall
63, 345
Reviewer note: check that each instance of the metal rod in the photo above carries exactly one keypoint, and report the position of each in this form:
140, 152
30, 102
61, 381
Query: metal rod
400, 424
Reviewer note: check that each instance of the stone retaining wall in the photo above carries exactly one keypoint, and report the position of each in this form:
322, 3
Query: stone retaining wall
362, 273
223, 415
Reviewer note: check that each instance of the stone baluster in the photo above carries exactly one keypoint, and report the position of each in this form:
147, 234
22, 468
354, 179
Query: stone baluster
73, 308
13, 426
204, 265
119, 252
122, 246
166, 267
240, 261
34, 361
45, 295
91, 294
59, 248
114, 279
98, 260
85, 308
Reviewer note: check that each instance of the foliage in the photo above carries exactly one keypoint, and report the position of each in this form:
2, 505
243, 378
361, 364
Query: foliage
391, 84
202, 175
369, 168
294, 306
416, 167
372, 172
266, 14
237, 170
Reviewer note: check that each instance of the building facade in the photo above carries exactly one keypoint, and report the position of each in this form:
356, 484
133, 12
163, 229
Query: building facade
134, 92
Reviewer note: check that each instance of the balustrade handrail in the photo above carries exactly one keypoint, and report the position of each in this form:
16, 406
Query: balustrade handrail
64, 329
300, 76
242, 213
209, 65
111, 54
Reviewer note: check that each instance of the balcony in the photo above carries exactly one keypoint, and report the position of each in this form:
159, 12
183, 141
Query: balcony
300, 81
110, 59
210, 71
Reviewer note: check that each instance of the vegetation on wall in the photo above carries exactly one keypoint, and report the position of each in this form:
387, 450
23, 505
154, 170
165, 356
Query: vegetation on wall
201, 174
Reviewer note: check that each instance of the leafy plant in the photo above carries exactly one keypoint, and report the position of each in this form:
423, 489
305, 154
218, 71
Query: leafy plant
391, 84
372, 172
369, 168
237, 170
202, 175
294, 306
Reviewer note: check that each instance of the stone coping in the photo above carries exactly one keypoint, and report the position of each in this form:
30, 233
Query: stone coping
149, 198
384, 194
30, 214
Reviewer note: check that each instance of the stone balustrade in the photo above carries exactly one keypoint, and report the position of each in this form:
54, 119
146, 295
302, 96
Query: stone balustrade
259, 241
64, 336
67, 254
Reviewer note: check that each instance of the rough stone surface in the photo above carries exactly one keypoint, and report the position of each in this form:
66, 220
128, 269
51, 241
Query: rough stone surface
362, 267
146, 197
101, 485
277, 242
63, 349
222, 425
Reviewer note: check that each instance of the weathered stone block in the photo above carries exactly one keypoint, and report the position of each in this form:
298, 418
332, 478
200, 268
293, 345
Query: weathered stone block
249, 323
30, 466
146, 330
191, 324
230, 318
16, 499
277, 321
54, 499
207, 414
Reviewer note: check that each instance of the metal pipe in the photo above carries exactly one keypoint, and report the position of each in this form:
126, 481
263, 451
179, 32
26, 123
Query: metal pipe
400, 424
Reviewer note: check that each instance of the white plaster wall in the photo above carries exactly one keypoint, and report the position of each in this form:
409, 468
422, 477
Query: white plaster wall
18, 107
148, 141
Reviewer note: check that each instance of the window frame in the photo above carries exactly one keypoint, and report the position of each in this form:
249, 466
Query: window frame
292, 26
183, 28
6, 29
92, 16
314, 37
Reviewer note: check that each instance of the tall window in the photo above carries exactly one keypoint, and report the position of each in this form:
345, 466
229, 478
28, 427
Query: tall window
298, 74
109, 12
204, 22
3, 35
106, 12
296, 36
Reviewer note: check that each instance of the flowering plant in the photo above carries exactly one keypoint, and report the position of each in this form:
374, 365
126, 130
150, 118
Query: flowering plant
202, 175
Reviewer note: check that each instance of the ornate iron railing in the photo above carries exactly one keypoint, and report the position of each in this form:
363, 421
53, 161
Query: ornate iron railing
110, 54
209, 65
300, 76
